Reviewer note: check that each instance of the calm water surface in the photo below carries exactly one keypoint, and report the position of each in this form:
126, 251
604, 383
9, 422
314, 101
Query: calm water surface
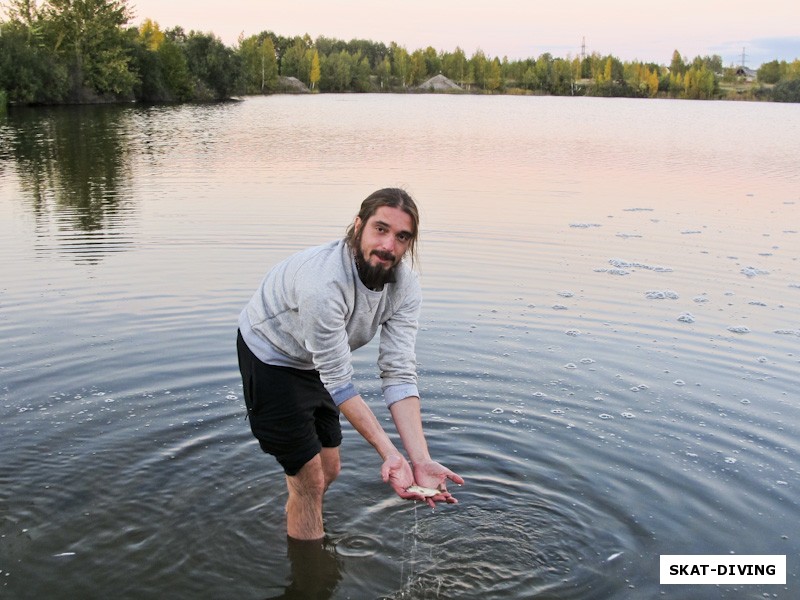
609, 350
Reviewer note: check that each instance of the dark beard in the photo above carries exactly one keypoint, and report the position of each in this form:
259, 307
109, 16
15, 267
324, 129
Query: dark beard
373, 276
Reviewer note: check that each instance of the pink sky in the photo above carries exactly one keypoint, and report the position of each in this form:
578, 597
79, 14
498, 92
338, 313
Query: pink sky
649, 31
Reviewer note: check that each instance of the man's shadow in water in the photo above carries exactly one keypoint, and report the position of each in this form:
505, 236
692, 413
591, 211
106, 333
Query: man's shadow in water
314, 573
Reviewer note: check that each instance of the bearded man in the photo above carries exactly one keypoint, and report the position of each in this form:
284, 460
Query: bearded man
295, 340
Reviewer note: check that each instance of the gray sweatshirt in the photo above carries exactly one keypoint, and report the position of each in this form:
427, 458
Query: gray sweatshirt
312, 310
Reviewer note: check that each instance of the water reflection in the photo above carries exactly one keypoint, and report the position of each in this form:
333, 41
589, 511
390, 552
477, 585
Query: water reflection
314, 571
72, 167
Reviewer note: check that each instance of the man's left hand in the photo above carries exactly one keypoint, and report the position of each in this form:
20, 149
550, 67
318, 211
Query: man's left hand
431, 474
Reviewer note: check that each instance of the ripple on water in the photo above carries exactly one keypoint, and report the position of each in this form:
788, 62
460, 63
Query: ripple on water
357, 545
555, 545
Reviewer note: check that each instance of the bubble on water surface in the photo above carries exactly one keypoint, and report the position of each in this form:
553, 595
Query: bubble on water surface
753, 271
570, 366
626, 264
614, 271
757, 303
584, 225
566, 294
628, 415
587, 361
788, 332
730, 460
497, 411
573, 332
559, 307
741, 329
744, 401
661, 295
626, 236
690, 231
686, 317
636, 209
700, 299
762, 359
557, 411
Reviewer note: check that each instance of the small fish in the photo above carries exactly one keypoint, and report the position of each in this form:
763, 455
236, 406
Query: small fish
424, 491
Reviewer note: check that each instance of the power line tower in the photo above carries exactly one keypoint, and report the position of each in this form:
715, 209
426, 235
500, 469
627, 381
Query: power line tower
583, 49
744, 59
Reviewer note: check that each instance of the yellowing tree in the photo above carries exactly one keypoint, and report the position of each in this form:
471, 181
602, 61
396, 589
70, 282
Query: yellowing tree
315, 72
652, 84
151, 35
269, 65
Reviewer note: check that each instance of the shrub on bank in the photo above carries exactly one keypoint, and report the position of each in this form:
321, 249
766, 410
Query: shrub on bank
787, 91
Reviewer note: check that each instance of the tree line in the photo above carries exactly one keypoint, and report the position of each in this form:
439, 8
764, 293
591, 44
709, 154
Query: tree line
68, 51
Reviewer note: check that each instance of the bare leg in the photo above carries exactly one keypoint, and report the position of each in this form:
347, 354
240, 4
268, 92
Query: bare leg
306, 490
331, 465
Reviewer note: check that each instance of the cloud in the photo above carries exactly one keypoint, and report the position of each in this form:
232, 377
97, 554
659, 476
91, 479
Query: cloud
760, 50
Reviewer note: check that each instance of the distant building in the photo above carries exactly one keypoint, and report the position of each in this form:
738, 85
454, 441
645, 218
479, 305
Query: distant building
747, 73
440, 83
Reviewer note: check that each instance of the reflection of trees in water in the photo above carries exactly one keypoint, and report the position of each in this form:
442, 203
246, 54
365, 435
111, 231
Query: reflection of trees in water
72, 163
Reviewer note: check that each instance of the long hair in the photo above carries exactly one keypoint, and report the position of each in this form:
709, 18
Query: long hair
393, 198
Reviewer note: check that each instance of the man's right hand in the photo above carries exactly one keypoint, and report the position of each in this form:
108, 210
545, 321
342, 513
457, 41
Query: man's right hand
397, 473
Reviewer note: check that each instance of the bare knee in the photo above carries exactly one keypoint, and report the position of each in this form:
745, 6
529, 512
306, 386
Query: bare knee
331, 464
304, 506
310, 481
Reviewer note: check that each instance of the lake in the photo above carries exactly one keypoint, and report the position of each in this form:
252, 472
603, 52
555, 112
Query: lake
608, 353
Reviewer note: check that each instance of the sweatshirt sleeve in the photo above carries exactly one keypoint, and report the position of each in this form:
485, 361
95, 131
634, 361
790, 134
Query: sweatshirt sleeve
396, 357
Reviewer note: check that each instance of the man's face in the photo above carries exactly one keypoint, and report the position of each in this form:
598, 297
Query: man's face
384, 239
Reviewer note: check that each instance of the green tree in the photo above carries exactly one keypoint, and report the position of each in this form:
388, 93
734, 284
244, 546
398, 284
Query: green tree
529, 80
29, 71
419, 68
401, 63
494, 78
433, 62
175, 70
384, 73
677, 66
214, 67
543, 71
259, 65
455, 66
360, 73
336, 72
293, 62
88, 36
787, 91
770, 72
478, 66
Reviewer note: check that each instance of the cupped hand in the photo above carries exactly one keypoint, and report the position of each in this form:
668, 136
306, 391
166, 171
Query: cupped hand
397, 473
431, 474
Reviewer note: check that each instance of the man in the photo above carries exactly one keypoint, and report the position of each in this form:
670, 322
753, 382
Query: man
295, 341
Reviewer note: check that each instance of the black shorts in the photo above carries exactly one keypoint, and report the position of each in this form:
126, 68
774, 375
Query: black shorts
291, 413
